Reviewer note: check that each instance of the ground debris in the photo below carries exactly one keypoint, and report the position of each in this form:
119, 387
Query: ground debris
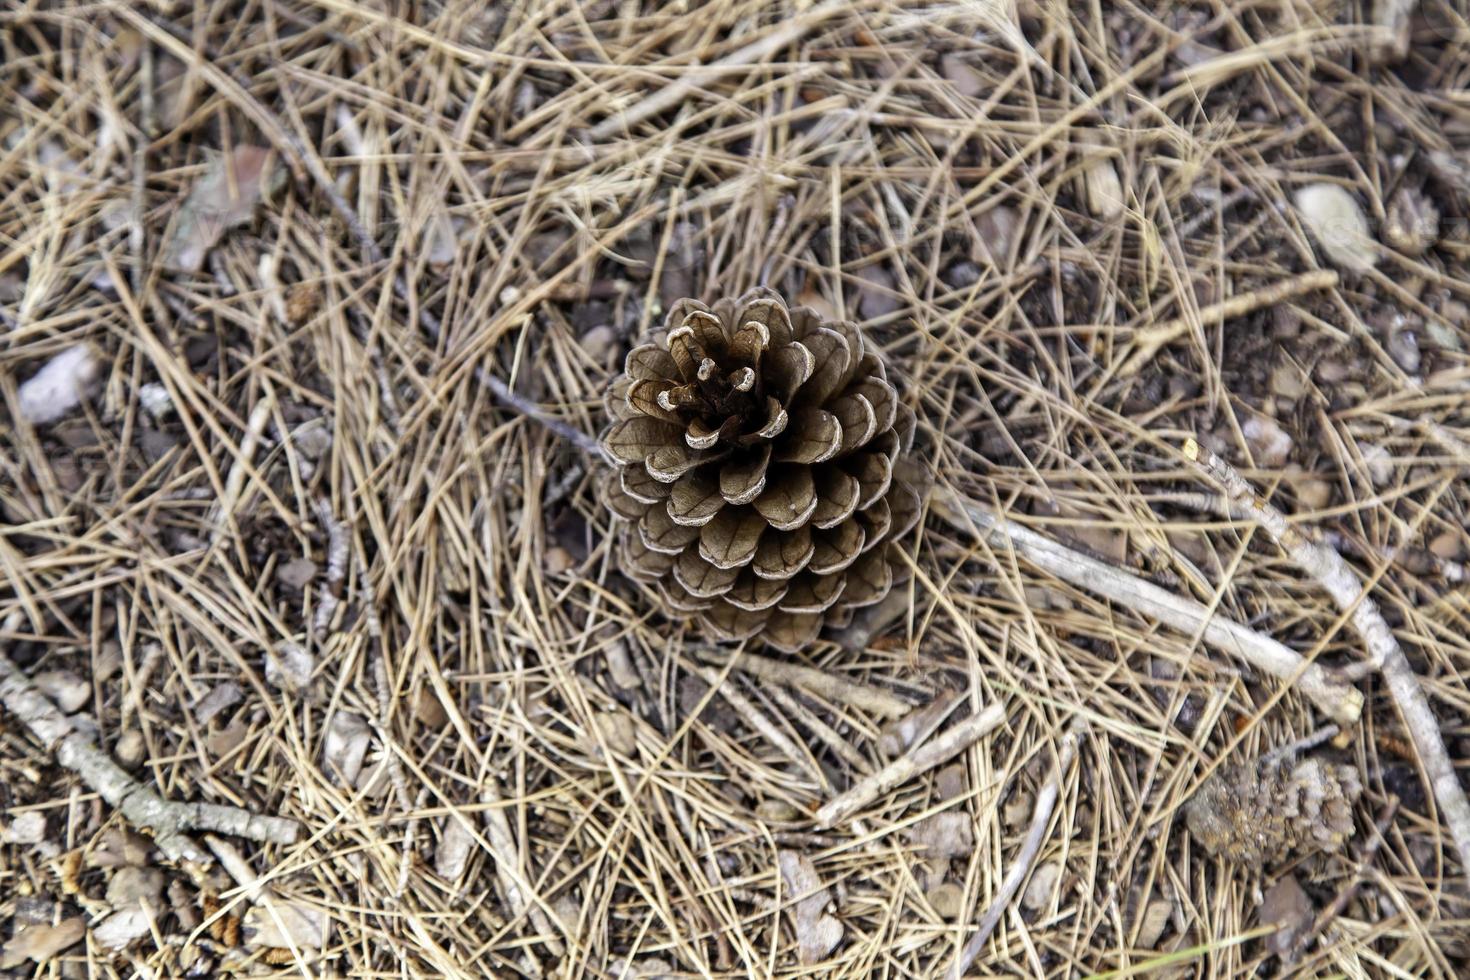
224, 198
817, 933
1258, 813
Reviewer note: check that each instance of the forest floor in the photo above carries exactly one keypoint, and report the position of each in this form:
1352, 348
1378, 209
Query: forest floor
308, 311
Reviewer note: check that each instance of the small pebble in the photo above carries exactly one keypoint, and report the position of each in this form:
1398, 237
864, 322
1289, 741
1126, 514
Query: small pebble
129, 749
1043, 883
66, 690
1447, 545
599, 342
558, 560
28, 828
950, 782
777, 811
948, 900
1379, 463
1313, 493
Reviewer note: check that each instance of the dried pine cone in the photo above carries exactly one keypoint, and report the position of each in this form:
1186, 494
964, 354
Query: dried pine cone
755, 449
1260, 812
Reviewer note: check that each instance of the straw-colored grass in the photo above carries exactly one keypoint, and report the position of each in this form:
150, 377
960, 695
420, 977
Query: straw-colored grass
483, 205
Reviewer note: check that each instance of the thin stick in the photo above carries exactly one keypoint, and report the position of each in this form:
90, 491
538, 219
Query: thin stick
1337, 699
260, 417
301, 160
167, 821
698, 76
819, 682
1147, 342
757, 720
1046, 802
920, 760
1330, 571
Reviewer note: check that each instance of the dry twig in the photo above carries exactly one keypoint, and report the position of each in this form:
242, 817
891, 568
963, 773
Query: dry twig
1337, 699
1148, 343
819, 682
169, 822
1329, 570
919, 760
1046, 802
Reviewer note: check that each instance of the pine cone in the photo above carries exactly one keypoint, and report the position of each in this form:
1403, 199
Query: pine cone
755, 451
1260, 812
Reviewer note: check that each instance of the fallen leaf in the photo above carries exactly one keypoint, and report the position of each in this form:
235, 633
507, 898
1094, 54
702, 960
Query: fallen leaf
284, 924
61, 384
456, 845
1154, 920
1288, 908
122, 927
345, 746
224, 198
40, 942
131, 887
817, 933
226, 740
222, 696
943, 836
1336, 221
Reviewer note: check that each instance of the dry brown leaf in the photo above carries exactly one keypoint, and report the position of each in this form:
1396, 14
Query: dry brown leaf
40, 943
1288, 908
817, 933
345, 746
284, 924
122, 928
455, 847
224, 198
1155, 919
943, 836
